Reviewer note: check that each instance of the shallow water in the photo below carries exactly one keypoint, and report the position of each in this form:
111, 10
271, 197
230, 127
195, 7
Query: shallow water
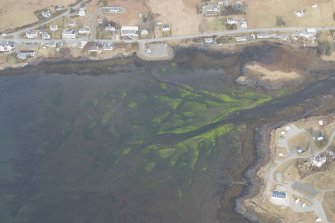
150, 142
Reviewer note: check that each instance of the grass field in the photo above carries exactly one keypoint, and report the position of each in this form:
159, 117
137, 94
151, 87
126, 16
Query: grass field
15, 14
263, 13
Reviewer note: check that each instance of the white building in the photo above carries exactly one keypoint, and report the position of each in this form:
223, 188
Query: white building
6, 47
53, 28
82, 44
46, 14
241, 38
84, 30
82, 12
110, 28
114, 9
51, 44
211, 9
262, 36
209, 40
144, 32
300, 12
107, 46
25, 54
244, 24
46, 35
231, 21
318, 161
129, 31
31, 34
68, 34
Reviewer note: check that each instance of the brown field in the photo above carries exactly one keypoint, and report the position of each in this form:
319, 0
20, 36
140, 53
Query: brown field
19, 13
323, 180
263, 13
328, 205
300, 140
131, 16
180, 14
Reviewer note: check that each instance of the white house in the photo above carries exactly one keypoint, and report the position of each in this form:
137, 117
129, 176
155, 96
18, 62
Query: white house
244, 24
262, 36
209, 40
68, 34
6, 47
84, 30
31, 34
231, 21
144, 32
82, 12
300, 12
53, 28
46, 13
129, 31
25, 54
241, 38
114, 9
107, 46
211, 9
110, 28
46, 35
82, 44
51, 44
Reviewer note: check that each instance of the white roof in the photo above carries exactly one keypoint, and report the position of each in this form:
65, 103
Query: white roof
132, 28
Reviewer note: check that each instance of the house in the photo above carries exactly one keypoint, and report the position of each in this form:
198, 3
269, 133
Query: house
278, 195
31, 34
300, 150
320, 137
82, 44
53, 28
6, 47
231, 21
262, 36
71, 23
209, 40
46, 35
114, 9
321, 122
68, 34
318, 160
244, 24
46, 13
166, 28
82, 12
300, 12
84, 30
93, 47
144, 32
51, 44
107, 46
110, 28
129, 31
211, 9
25, 54
241, 38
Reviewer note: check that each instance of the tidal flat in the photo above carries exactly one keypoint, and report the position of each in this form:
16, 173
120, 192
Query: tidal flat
132, 141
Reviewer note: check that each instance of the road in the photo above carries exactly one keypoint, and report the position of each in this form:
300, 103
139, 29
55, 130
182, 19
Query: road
163, 39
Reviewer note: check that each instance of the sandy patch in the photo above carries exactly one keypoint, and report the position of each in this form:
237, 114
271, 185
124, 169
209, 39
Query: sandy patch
181, 15
272, 75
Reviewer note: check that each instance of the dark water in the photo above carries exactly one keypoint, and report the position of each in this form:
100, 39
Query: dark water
136, 142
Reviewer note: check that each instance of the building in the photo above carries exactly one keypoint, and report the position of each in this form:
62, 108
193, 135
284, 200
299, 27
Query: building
107, 46
300, 12
71, 23
25, 54
114, 9
53, 28
82, 12
211, 9
318, 160
320, 137
46, 14
278, 195
129, 31
51, 44
262, 36
241, 38
300, 150
46, 35
82, 44
110, 28
68, 34
144, 32
244, 24
84, 30
6, 47
209, 40
231, 21
31, 34
166, 28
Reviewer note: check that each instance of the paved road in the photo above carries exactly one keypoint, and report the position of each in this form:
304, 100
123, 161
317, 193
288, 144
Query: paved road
163, 39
